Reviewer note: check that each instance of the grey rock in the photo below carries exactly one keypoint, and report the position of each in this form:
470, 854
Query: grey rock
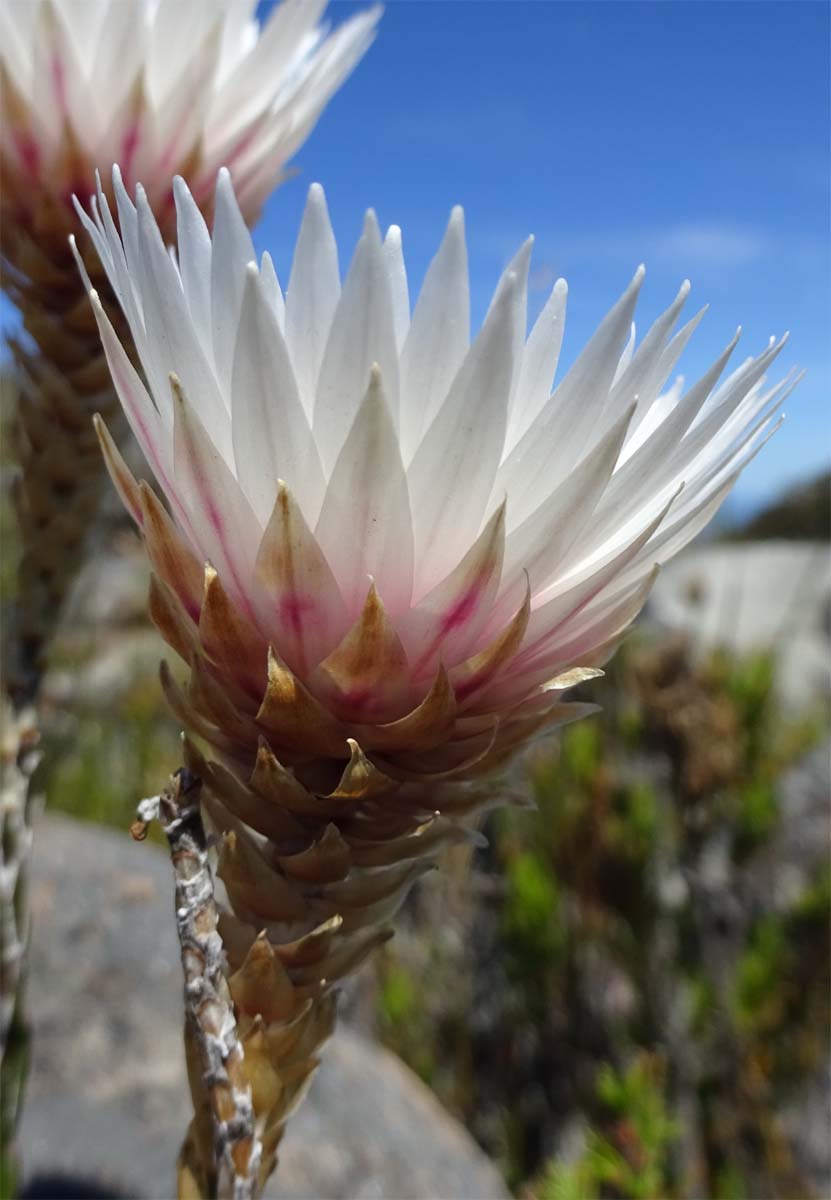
107, 1098
756, 595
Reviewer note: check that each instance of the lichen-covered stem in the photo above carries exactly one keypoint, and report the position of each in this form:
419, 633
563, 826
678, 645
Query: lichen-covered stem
209, 1010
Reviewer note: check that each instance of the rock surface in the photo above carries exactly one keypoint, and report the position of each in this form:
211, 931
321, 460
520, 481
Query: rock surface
107, 1100
756, 595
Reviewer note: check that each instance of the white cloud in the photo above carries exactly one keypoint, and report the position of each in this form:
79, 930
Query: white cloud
708, 242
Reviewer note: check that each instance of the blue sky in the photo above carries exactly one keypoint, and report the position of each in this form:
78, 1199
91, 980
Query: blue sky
691, 136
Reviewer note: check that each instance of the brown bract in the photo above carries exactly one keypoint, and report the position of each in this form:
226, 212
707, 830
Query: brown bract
325, 817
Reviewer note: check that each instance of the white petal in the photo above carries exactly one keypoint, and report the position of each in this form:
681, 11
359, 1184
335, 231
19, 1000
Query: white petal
539, 364
271, 434
272, 290
394, 255
365, 527
233, 250
626, 356
561, 434
194, 246
171, 337
539, 544
517, 269
362, 334
226, 530
438, 338
139, 408
313, 292
451, 475
642, 378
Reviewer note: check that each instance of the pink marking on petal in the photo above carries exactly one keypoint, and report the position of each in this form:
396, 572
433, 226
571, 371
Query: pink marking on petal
242, 145
454, 618
59, 82
294, 609
129, 145
463, 609
29, 153
215, 516
360, 700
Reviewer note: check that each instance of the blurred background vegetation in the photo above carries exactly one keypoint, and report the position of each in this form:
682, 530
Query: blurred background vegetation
625, 994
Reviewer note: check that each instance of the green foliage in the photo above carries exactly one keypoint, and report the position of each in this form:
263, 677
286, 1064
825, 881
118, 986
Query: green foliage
113, 758
398, 997
594, 933
759, 970
730, 1183
625, 1154
530, 922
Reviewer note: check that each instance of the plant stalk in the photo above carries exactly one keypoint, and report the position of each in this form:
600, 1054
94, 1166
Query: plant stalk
209, 1010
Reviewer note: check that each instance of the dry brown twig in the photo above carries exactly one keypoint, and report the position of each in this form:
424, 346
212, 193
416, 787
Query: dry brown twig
209, 1010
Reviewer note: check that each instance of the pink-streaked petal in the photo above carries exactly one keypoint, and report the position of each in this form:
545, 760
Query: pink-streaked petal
141, 412
445, 623
121, 475
300, 602
226, 530
366, 678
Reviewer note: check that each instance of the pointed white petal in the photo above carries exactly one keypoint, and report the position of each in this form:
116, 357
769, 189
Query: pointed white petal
271, 433
365, 526
540, 543
362, 334
194, 246
563, 431
171, 337
272, 290
233, 250
394, 256
313, 293
226, 530
451, 475
626, 356
438, 337
539, 364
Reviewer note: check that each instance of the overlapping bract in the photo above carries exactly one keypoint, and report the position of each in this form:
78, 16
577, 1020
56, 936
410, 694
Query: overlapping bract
163, 86
392, 509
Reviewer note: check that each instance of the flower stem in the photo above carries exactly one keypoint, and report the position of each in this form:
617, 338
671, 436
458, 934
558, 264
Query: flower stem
209, 1012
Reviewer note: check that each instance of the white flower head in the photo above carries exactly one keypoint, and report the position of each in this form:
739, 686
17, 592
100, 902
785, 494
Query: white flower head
164, 86
332, 455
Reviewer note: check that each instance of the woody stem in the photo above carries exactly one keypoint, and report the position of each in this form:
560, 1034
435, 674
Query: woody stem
209, 1010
